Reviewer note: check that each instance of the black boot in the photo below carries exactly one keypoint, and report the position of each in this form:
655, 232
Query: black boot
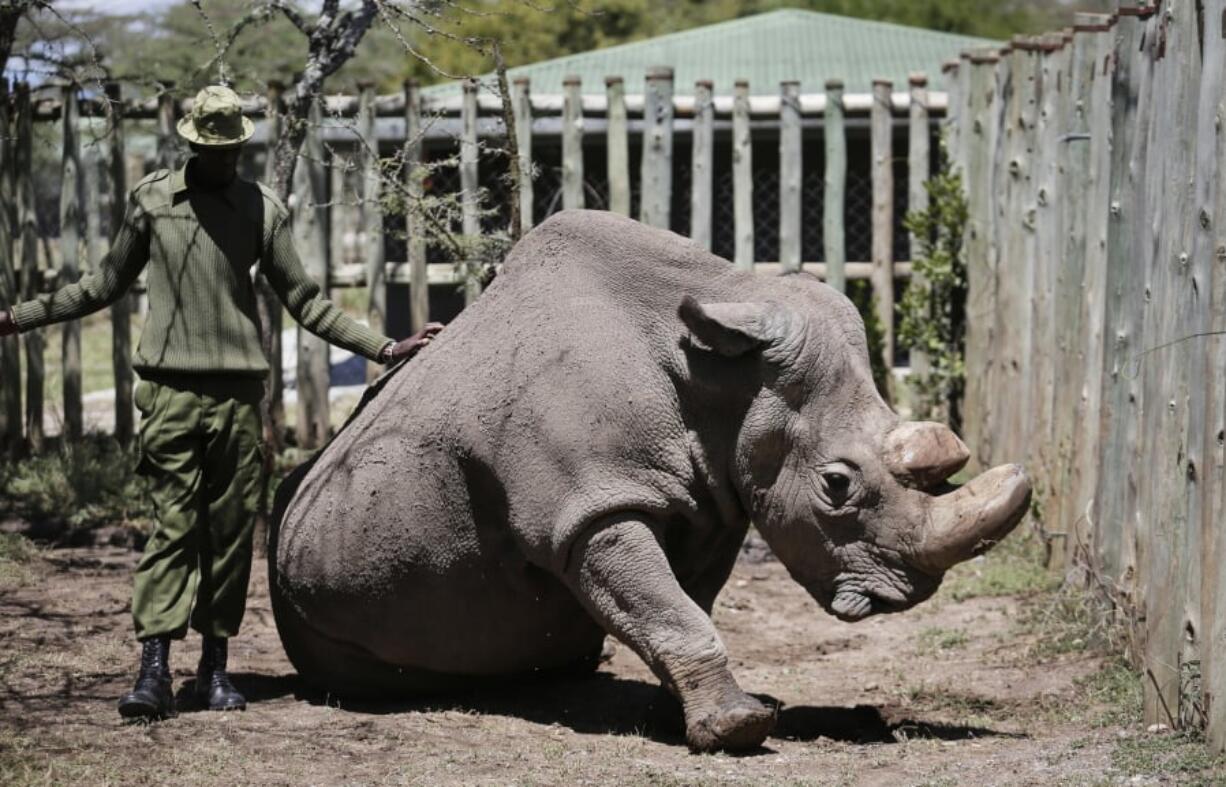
213, 686
152, 698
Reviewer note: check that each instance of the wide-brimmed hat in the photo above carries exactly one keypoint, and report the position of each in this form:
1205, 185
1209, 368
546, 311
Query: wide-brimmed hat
216, 119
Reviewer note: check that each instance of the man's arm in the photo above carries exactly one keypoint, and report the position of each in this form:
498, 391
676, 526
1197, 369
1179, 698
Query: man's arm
118, 269
305, 302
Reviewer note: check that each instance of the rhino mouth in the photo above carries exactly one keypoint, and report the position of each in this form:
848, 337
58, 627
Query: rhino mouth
850, 605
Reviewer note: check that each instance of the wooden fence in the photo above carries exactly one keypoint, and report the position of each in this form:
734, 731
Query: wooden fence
1097, 253
469, 121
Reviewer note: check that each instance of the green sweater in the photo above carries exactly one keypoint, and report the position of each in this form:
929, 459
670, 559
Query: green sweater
202, 247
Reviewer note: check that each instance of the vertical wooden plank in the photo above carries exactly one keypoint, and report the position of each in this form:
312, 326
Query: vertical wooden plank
469, 182
882, 144
572, 143
338, 198
72, 221
1116, 490
1213, 512
1084, 475
790, 175
919, 157
702, 162
618, 147
310, 216
34, 340
1075, 147
121, 311
419, 283
742, 176
981, 285
1199, 653
656, 178
521, 92
372, 220
1016, 216
835, 187
10, 346
270, 310
171, 154
1165, 373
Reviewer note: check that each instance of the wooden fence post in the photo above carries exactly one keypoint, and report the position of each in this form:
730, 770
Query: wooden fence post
1086, 435
981, 290
919, 156
10, 346
835, 186
617, 146
790, 175
30, 272
657, 172
572, 143
1164, 373
1121, 390
372, 220
419, 280
1016, 220
703, 150
521, 92
72, 222
270, 312
742, 176
882, 142
310, 215
170, 150
1213, 599
121, 311
469, 183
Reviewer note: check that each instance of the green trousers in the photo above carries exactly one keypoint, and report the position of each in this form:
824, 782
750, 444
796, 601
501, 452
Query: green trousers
200, 448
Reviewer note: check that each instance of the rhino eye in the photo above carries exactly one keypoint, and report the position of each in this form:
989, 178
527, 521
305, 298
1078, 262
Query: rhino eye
837, 483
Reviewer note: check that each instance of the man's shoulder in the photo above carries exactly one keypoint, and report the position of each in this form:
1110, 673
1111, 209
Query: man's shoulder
156, 184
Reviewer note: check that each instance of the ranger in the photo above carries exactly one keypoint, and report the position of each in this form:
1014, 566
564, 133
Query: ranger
202, 231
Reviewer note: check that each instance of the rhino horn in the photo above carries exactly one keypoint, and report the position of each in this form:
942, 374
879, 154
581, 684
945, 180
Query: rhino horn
922, 454
971, 519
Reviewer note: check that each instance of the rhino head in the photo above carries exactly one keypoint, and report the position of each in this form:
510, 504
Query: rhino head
852, 500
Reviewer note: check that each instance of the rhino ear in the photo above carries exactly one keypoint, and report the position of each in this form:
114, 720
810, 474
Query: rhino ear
733, 329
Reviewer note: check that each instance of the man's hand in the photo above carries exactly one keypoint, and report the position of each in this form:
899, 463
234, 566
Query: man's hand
7, 326
412, 345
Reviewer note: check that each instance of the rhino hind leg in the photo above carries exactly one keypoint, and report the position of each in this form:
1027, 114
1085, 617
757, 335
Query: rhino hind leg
622, 576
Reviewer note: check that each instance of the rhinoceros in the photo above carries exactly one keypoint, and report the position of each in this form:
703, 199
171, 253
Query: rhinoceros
581, 453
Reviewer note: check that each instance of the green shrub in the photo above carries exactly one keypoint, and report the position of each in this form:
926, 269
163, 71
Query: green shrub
932, 312
81, 485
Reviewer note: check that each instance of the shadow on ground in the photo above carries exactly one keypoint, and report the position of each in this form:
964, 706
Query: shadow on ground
604, 704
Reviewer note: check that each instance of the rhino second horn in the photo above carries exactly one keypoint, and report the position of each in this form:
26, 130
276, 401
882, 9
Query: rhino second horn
922, 454
973, 518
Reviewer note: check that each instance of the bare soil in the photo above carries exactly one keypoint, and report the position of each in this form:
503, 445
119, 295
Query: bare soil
949, 693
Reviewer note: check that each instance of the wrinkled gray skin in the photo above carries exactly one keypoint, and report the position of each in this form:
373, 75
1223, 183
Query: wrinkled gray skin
582, 451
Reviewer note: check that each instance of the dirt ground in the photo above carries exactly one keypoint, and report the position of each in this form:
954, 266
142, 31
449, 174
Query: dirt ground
953, 692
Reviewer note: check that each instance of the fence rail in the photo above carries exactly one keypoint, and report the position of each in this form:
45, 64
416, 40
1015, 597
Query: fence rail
1097, 254
351, 128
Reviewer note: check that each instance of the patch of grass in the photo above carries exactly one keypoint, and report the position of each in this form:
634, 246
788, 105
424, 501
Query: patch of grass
1180, 755
1071, 620
17, 553
1116, 689
935, 638
1015, 567
82, 485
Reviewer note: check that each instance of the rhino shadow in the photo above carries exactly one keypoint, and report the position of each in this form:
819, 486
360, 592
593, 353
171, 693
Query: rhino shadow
867, 724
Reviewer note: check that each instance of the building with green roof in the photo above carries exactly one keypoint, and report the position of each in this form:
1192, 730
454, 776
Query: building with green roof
766, 49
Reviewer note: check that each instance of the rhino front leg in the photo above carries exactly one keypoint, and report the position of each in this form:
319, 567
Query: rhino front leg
622, 576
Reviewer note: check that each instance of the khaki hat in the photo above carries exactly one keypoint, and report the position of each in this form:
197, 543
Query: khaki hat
216, 119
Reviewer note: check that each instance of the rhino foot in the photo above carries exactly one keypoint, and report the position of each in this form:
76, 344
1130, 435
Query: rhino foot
739, 724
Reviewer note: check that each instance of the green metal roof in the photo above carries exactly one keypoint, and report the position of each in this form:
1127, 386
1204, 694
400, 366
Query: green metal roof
765, 49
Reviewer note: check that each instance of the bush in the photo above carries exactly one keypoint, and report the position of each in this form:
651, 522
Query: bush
79, 486
933, 311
